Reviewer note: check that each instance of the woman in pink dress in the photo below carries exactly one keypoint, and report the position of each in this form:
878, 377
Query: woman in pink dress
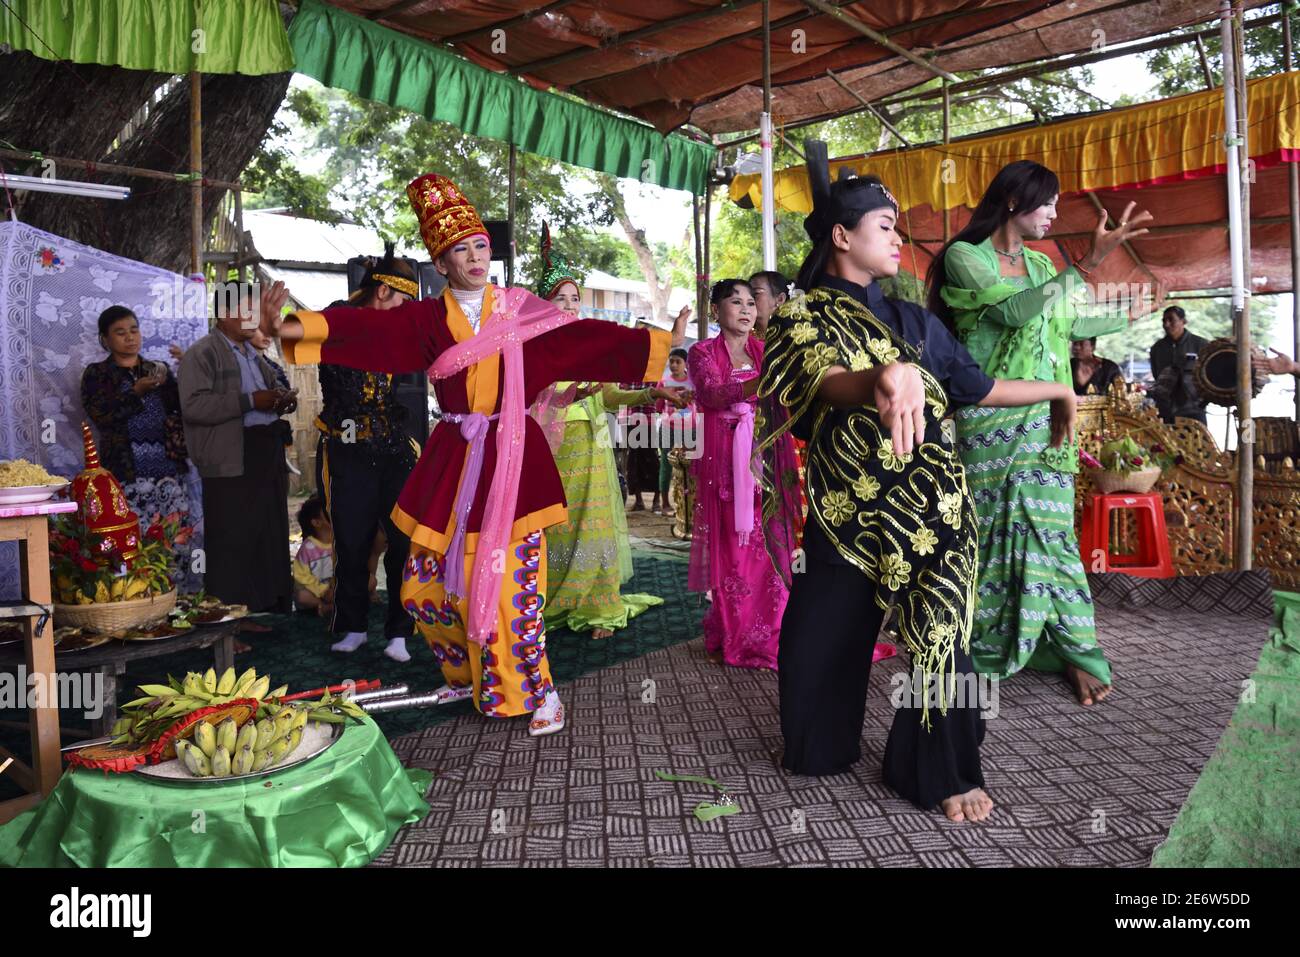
728, 548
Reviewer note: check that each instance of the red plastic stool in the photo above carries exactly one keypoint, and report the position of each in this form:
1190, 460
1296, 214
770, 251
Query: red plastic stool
1152, 559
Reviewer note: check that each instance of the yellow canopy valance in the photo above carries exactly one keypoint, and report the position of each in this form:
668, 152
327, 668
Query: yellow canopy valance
1167, 140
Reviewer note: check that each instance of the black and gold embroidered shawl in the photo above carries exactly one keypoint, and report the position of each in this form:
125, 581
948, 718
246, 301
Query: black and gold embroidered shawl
906, 522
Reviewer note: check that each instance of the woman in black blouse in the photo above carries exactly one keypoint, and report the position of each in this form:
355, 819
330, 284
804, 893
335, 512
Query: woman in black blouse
136, 408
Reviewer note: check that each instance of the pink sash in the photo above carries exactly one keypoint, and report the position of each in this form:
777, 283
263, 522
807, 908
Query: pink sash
742, 476
517, 316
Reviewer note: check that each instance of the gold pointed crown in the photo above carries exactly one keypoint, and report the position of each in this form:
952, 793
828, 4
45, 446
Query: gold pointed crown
445, 215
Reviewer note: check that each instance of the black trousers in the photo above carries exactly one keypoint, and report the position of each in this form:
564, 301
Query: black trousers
246, 528
360, 489
828, 633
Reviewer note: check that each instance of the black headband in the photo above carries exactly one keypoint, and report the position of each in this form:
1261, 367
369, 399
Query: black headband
849, 198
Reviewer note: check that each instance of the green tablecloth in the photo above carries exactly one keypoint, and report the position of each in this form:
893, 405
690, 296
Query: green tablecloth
340, 809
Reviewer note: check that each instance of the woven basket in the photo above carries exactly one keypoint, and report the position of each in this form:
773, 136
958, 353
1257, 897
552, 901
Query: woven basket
1140, 481
114, 616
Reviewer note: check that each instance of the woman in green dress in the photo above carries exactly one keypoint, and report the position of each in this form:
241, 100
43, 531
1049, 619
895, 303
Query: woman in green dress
588, 556
1016, 315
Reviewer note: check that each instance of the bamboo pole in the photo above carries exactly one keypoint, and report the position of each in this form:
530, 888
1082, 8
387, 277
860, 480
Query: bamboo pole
1019, 73
876, 37
510, 218
196, 172
1245, 429
947, 138
765, 144
239, 232
866, 105
1205, 63
1293, 183
699, 253
702, 320
112, 168
1245, 343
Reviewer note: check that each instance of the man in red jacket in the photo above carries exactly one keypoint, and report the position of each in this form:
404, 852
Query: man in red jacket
504, 668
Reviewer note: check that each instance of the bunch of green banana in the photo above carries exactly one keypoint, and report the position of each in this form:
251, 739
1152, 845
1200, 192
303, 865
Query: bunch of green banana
229, 750
328, 709
145, 719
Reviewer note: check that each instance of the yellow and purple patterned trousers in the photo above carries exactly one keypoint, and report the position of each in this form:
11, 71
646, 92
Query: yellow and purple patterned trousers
510, 674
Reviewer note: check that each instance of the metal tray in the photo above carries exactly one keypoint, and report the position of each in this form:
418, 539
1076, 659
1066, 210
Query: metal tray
317, 738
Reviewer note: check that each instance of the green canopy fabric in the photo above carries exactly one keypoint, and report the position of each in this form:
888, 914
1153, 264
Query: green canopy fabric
238, 36
351, 53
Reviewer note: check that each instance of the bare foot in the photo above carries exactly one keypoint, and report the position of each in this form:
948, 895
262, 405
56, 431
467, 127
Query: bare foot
1088, 689
253, 628
974, 805
600, 633
240, 647
717, 658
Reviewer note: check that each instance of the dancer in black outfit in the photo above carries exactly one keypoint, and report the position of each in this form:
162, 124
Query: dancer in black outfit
866, 381
363, 459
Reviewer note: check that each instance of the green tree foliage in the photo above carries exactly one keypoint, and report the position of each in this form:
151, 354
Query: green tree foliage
1178, 69
372, 151
737, 241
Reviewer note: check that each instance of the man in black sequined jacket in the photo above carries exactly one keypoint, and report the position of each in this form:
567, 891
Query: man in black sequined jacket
363, 459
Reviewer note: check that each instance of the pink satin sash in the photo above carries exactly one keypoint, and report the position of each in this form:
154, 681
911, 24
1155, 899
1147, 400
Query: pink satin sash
517, 316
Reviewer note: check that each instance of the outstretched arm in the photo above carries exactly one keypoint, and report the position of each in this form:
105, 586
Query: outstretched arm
1277, 364
594, 350
679, 327
969, 275
393, 340
895, 389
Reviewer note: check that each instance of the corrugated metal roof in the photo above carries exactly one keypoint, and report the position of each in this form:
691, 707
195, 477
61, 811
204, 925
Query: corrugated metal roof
278, 235
310, 289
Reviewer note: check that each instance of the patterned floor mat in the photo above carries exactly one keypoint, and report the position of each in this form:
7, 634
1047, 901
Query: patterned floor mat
1075, 787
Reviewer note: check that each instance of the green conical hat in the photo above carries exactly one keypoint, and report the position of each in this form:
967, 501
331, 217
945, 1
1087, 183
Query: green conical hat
556, 269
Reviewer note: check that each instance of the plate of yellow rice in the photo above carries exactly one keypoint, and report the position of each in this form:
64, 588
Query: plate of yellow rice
23, 483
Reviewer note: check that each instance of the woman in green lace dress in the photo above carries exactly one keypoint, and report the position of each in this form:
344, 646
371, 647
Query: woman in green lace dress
1017, 315
589, 557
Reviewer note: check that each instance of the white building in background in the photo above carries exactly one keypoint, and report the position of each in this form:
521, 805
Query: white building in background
311, 257
627, 300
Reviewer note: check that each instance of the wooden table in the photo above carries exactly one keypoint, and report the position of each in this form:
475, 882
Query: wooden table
28, 525
112, 658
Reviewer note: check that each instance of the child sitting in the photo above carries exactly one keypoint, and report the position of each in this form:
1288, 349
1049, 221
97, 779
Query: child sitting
313, 565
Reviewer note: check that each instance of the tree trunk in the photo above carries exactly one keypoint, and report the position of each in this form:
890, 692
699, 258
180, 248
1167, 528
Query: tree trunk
65, 109
153, 226
68, 109
884, 137
44, 107
636, 238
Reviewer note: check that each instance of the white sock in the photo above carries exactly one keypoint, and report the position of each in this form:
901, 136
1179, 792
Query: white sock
397, 650
549, 706
351, 641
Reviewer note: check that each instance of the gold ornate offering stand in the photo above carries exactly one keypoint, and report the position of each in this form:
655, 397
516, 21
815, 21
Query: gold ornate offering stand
1200, 494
